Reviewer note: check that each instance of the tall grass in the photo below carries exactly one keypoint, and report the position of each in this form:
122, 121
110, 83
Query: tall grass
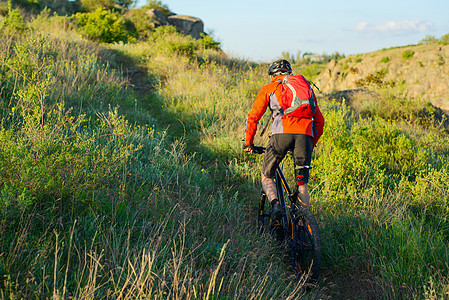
377, 185
98, 201
108, 193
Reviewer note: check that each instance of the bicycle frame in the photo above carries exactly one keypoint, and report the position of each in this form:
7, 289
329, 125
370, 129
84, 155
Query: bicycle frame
281, 184
299, 230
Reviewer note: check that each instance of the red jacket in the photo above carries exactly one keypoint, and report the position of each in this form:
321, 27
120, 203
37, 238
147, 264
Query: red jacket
268, 96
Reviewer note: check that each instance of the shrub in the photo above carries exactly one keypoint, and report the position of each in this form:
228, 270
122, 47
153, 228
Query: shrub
313, 70
208, 42
170, 41
102, 26
92, 5
47, 152
157, 4
353, 70
444, 39
60, 160
13, 21
139, 23
3, 9
385, 59
376, 79
408, 54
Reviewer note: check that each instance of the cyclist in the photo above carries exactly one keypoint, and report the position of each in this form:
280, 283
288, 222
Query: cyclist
287, 133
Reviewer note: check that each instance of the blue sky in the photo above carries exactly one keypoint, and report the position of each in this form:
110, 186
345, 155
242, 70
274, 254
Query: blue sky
261, 30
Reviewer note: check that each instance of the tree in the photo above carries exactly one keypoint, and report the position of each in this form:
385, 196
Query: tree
157, 4
288, 56
125, 3
428, 39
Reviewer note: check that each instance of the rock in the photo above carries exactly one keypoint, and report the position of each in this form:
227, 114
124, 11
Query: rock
158, 18
188, 25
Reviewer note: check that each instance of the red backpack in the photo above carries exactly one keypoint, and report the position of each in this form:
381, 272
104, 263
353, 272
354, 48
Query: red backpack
297, 98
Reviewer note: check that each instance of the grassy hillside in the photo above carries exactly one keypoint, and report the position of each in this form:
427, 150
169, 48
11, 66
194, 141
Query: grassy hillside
420, 70
122, 176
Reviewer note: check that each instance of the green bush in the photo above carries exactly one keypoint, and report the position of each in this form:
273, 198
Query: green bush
60, 160
312, 71
92, 5
360, 154
170, 41
385, 59
408, 54
46, 151
139, 23
13, 21
376, 79
102, 26
207, 42
157, 4
444, 39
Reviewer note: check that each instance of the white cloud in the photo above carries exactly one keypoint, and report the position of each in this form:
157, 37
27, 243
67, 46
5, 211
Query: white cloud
394, 27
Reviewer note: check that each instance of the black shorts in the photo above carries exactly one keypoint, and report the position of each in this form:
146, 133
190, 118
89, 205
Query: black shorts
279, 145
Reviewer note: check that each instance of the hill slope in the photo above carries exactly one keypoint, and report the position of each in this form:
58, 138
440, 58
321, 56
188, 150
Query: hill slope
136, 186
422, 69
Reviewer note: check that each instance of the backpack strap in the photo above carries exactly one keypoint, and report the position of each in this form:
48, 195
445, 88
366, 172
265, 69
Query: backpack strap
280, 110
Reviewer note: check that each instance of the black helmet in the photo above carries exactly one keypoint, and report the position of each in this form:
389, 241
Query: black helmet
280, 66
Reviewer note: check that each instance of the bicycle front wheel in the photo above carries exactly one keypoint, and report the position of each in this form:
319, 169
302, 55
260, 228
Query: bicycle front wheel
305, 250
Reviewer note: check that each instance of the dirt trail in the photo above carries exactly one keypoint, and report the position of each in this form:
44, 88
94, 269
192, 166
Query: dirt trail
359, 284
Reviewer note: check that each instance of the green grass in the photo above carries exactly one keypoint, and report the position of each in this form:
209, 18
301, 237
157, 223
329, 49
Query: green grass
122, 186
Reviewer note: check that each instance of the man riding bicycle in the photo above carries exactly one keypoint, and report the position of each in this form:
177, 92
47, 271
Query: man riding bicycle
288, 132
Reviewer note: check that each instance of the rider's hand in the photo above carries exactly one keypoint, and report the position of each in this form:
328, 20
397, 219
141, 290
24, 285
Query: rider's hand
249, 149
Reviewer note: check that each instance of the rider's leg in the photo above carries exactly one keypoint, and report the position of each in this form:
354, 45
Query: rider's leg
303, 196
269, 187
274, 153
302, 155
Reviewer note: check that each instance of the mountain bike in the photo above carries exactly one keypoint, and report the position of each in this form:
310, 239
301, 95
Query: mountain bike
297, 229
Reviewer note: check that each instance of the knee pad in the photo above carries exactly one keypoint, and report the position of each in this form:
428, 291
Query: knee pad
302, 174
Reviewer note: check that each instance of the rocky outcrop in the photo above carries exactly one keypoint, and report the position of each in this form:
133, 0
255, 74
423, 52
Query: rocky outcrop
158, 18
424, 72
188, 25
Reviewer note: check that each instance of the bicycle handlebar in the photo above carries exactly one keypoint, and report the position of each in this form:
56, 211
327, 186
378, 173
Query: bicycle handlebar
258, 149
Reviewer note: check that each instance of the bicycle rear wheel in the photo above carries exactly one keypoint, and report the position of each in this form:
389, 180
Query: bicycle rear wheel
305, 248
